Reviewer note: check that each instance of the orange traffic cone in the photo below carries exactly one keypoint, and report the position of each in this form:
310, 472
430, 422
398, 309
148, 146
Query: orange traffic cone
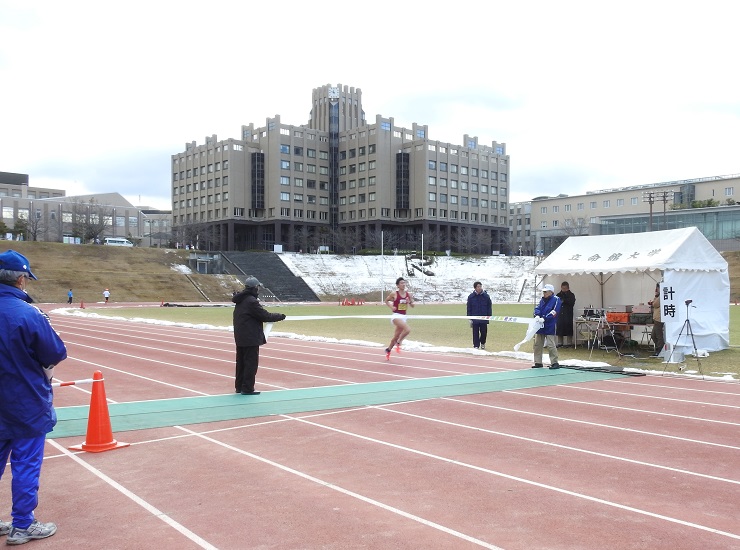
82, 305
99, 436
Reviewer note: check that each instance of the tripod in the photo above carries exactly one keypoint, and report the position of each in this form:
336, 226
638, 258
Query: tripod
602, 329
689, 332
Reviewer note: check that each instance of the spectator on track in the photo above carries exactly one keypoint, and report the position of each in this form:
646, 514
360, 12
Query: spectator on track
547, 311
106, 295
479, 303
249, 334
30, 350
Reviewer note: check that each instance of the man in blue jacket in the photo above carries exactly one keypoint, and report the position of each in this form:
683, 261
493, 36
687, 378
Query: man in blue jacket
29, 350
547, 310
479, 303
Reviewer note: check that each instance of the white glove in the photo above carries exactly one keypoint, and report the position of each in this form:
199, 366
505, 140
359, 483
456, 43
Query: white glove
539, 319
49, 372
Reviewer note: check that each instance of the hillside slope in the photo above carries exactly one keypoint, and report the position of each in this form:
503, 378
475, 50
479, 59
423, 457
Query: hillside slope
131, 274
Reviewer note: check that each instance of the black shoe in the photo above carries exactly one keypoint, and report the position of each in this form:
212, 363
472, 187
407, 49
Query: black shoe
555, 366
482, 346
537, 366
250, 392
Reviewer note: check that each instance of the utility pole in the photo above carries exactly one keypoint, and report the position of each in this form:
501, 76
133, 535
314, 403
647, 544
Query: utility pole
651, 197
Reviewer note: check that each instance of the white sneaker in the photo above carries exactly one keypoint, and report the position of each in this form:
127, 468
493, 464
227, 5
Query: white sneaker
5, 527
35, 531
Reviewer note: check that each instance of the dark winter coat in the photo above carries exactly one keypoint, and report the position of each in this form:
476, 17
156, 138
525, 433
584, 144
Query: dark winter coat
28, 343
548, 309
480, 304
248, 318
565, 319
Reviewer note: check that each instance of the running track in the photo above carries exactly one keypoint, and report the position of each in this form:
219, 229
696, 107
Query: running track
649, 462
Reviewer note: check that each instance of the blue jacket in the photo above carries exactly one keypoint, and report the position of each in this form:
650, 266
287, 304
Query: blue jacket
27, 344
480, 304
548, 309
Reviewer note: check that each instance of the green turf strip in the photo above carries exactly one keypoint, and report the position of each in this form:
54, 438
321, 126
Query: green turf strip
195, 410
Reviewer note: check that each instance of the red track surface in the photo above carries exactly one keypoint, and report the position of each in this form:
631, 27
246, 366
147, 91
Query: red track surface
649, 462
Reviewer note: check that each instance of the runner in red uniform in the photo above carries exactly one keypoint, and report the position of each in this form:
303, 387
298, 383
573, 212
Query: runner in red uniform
399, 302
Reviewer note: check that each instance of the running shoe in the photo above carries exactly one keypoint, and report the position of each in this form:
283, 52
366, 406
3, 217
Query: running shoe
35, 531
5, 527
398, 348
387, 354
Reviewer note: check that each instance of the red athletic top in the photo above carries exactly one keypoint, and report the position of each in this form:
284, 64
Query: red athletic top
401, 304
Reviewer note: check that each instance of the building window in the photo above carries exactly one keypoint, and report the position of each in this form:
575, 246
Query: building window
606, 203
567, 207
729, 191
432, 181
620, 202
592, 204
284, 180
432, 197
285, 164
432, 164
543, 209
555, 209
284, 196
543, 225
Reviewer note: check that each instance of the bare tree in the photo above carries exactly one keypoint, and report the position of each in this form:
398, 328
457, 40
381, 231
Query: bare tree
574, 227
464, 239
90, 221
343, 239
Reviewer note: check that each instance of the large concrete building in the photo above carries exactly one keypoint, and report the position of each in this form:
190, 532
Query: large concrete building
340, 181
709, 203
51, 215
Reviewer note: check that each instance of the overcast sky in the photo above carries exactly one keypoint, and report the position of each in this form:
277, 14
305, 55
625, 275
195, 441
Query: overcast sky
96, 96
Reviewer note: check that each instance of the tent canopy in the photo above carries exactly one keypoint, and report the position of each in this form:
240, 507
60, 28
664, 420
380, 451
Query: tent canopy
610, 270
677, 249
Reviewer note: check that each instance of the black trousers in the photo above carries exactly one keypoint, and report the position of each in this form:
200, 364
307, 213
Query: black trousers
480, 333
247, 361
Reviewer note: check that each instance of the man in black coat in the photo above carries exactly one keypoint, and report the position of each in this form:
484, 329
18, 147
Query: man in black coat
249, 334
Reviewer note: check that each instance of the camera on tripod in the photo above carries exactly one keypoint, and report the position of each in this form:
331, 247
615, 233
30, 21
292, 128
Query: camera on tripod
687, 302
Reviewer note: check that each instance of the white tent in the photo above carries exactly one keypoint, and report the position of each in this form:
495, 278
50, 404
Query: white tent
612, 270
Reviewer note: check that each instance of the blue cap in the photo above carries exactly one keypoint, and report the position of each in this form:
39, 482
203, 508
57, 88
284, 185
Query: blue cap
15, 261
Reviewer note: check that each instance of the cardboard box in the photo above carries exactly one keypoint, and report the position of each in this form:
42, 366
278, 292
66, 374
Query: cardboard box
641, 308
621, 309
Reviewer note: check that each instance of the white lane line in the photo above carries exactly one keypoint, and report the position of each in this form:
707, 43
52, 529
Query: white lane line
137, 499
286, 343
148, 379
347, 492
526, 481
599, 425
550, 444
571, 387
631, 381
683, 417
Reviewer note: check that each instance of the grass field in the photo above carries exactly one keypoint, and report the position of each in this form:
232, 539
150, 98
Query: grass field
438, 332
